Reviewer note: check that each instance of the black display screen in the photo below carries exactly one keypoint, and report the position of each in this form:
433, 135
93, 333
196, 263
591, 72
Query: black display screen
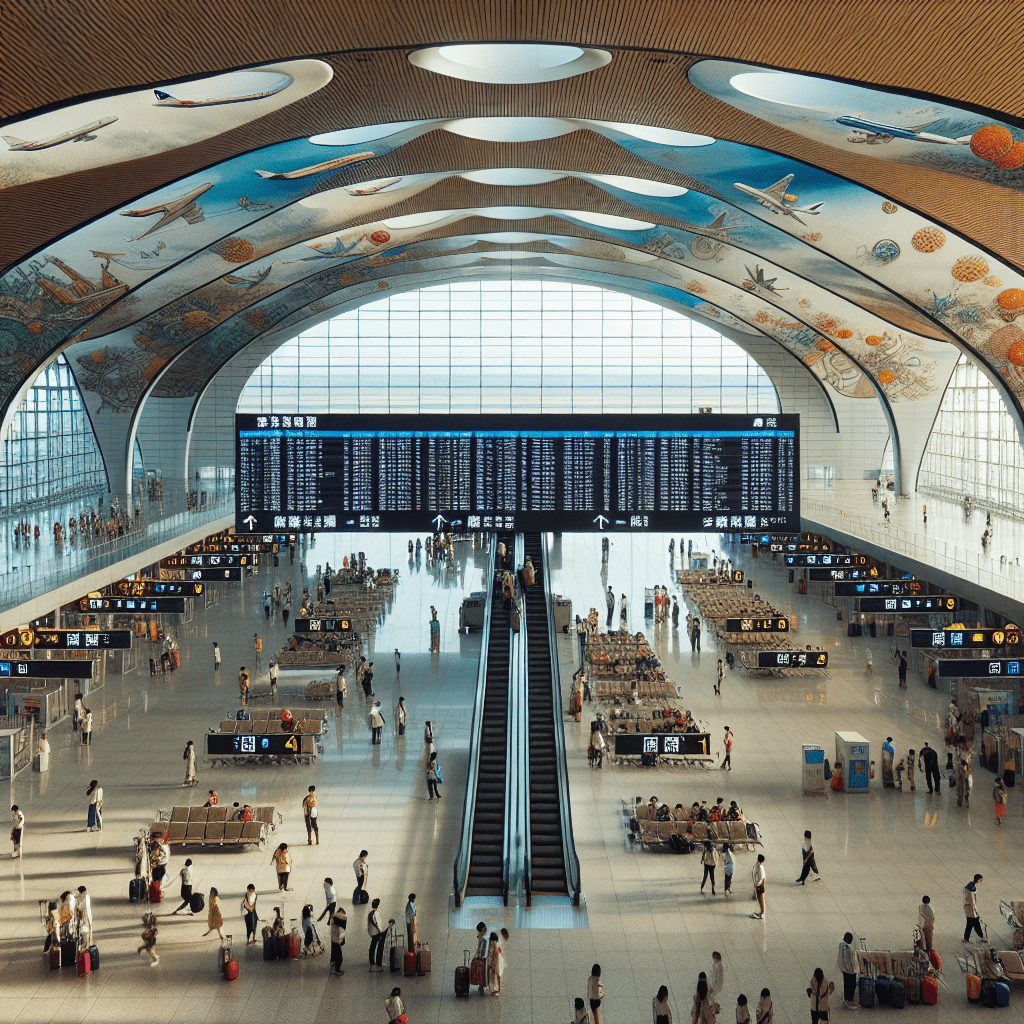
780, 624
47, 669
827, 559
83, 639
199, 561
824, 575
725, 473
322, 625
688, 744
966, 639
213, 575
132, 605
792, 659
279, 744
879, 588
976, 668
909, 604
155, 588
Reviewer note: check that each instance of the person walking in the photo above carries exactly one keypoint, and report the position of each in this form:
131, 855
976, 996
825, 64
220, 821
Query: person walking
495, 964
716, 977
244, 685
185, 874
216, 656
926, 922
400, 716
582, 1014
282, 861
286, 606
214, 918
902, 670
662, 1010
376, 722
846, 964
393, 1005
971, 909
721, 676
818, 992
610, 599
266, 605
398, 663
808, 861
189, 756
869, 666
929, 763
341, 686
623, 614
480, 953
595, 993
368, 680
339, 921
727, 741
765, 1010
709, 859
274, 672
362, 873
149, 934
999, 800
410, 922
17, 830
87, 728
705, 1009
377, 937
330, 898
311, 813
759, 878
250, 914
729, 864
434, 779
95, 795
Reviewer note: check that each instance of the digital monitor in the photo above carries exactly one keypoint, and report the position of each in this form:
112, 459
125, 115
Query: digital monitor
78, 669
977, 668
878, 588
826, 559
199, 561
779, 624
966, 639
792, 659
726, 473
132, 605
322, 625
281, 744
155, 588
827, 573
909, 604
687, 744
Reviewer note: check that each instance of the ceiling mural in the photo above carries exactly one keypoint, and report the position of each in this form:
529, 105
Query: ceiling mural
884, 125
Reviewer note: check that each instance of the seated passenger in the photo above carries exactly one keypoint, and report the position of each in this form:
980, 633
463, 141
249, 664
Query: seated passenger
664, 814
716, 813
287, 722
245, 814
734, 813
641, 811
702, 813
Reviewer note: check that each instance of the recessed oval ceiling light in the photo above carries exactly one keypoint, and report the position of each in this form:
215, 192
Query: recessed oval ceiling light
509, 63
662, 136
512, 254
641, 186
365, 133
510, 129
416, 220
607, 220
794, 90
511, 237
513, 176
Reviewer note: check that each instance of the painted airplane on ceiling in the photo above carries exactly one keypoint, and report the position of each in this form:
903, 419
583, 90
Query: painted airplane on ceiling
874, 133
775, 198
78, 135
756, 279
305, 172
184, 206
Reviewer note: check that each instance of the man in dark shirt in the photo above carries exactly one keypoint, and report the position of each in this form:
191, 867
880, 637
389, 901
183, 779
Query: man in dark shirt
929, 761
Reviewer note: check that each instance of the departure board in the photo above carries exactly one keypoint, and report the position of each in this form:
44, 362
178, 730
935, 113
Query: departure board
727, 474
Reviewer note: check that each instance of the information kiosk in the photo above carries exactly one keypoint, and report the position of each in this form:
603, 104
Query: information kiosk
852, 752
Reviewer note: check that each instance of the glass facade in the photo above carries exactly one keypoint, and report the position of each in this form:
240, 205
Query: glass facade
974, 447
507, 347
50, 450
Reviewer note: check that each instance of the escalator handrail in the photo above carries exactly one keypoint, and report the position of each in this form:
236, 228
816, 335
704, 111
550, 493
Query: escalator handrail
461, 869
572, 861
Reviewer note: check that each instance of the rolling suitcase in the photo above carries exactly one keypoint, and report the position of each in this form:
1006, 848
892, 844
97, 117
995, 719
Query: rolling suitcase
231, 970
281, 945
1002, 993
197, 903
883, 991
294, 944
225, 954
866, 983
68, 952
156, 893
269, 945
55, 957
84, 964
973, 988
396, 954
136, 890
410, 963
987, 992
360, 896
462, 976
680, 844
929, 991
94, 957
423, 958
478, 971
898, 993
913, 989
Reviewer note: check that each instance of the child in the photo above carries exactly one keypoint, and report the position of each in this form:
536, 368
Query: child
898, 772
149, 939
765, 1010
742, 1010
910, 771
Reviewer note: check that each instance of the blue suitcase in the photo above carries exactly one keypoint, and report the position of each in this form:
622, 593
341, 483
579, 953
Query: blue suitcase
866, 992
898, 993
883, 992
1002, 993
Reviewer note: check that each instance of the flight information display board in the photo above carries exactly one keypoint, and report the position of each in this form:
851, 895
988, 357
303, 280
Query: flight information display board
155, 588
792, 659
824, 575
77, 669
686, 744
839, 560
968, 639
132, 605
199, 561
780, 624
212, 575
976, 668
879, 588
909, 604
726, 473
322, 625
271, 745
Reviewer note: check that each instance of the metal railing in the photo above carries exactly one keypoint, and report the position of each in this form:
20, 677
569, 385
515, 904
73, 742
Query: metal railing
461, 869
517, 830
572, 861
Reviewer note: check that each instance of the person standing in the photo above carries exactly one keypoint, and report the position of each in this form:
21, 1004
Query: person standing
95, 795
377, 937
623, 614
266, 605
846, 963
595, 991
929, 761
400, 716
250, 914
311, 813
274, 671
818, 992
675, 612
495, 964
971, 909
433, 778
368, 680
869, 666
999, 800
393, 1005
481, 952
716, 977
214, 918
709, 859
902, 670
729, 863
186, 887
926, 921
721, 676
257, 644
341, 686
282, 861
410, 922
17, 830
189, 756
705, 1009
44, 754
398, 663
376, 723
910, 771
83, 917
87, 728
362, 872
759, 878
216, 656
286, 606
727, 743
662, 1010
610, 599
339, 921
808, 861
244, 683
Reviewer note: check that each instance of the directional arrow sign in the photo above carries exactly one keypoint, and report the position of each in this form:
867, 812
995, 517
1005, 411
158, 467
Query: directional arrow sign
439, 520
600, 520
251, 520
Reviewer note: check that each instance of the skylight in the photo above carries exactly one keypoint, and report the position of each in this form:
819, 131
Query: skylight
509, 63
510, 129
606, 220
662, 136
513, 176
364, 133
641, 186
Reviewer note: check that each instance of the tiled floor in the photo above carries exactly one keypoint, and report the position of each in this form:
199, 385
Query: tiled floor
649, 924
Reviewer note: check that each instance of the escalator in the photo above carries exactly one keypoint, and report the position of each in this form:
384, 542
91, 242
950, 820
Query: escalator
547, 865
487, 874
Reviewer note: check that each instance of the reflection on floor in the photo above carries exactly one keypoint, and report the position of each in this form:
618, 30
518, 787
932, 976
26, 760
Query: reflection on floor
649, 925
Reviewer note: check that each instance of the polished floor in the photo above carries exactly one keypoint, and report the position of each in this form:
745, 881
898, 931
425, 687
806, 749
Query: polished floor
648, 923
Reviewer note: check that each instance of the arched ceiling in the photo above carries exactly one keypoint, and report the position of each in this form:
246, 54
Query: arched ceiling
151, 235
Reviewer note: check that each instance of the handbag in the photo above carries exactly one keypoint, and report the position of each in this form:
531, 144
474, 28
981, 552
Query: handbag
402, 1018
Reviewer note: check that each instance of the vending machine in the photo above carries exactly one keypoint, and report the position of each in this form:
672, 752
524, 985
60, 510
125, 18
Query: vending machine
813, 760
853, 753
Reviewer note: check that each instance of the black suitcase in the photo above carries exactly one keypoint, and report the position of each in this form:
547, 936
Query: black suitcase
462, 976
94, 958
69, 953
136, 890
269, 945
898, 993
197, 903
360, 896
680, 844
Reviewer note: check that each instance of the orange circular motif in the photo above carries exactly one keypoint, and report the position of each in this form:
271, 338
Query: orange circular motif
844, 333
993, 282
35, 327
872, 340
383, 285
1012, 160
1004, 339
1016, 354
380, 237
235, 250
969, 268
886, 377
928, 240
1012, 298
825, 346
991, 142
889, 207
97, 356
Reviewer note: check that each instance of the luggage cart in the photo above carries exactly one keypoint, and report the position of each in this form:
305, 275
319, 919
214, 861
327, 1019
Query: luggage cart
1013, 915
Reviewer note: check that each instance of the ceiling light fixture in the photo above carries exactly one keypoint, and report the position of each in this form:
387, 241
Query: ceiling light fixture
509, 63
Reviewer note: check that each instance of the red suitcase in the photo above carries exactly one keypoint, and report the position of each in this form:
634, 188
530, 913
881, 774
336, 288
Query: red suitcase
156, 893
55, 957
294, 944
929, 991
478, 971
231, 970
410, 964
84, 963
936, 960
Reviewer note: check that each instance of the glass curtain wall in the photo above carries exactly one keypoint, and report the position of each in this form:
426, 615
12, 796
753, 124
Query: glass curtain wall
50, 451
510, 346
974, 447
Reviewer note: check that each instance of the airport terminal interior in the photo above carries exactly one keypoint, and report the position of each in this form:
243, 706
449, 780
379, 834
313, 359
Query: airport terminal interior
500, 344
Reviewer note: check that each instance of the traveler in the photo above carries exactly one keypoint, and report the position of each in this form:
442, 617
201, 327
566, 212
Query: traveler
434, 779
481, 952
83, 917
189, 757
742, 1010
274, 671
662, 1010
846, 963
818, 992
331, 896
149, 934
410, 922
765, 1009
582, 1015
17, 830
759, 878
623, 621
186, 887
721, 676
213, 800
377, 937
214, 918
87, 728
710, 861
808, 862
362, 871
705, 1008
999, 800
727, 742
610, 598
729, 864
216, 656
495, 964
95, 795
341, 686
376, 720
244, 685
282, 860
926, 921
250, 914
339, 921
595, 992
398, 662
716, 978
929, 761
971, 909
394, 1006
311, 813
400, 716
